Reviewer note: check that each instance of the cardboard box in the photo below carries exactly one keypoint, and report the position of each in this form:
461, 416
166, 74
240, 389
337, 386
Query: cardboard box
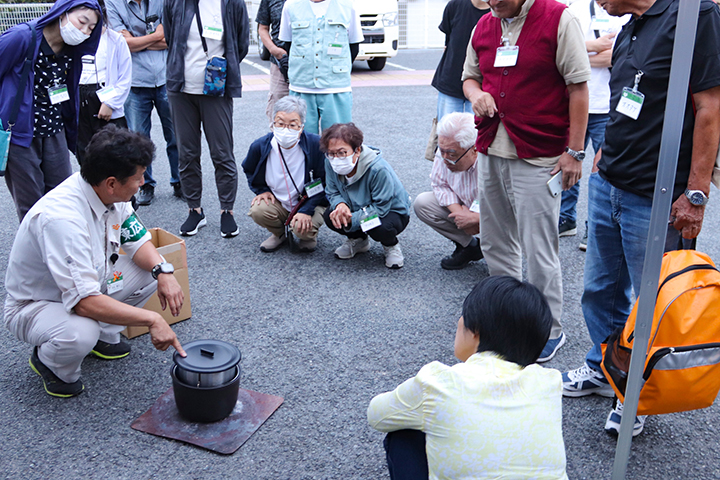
173, 249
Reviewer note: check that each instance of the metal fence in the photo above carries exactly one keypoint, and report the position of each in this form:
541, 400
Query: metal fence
418, 20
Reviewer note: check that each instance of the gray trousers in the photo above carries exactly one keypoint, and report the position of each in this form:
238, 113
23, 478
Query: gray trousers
33, 171
518, 214
429, 210
215, 114
279, 88
65, 339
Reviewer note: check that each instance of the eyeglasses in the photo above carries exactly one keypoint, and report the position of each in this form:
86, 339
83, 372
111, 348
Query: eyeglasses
291, 126
339, 153
447, 155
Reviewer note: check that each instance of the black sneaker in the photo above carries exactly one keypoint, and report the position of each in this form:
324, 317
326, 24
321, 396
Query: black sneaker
177, 190
53, 385
567, 228
145, 195
111, 351
228, 227
462, 256
193, 223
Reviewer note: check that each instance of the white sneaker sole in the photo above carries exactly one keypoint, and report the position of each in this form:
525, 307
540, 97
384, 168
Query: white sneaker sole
569, 233
200, 224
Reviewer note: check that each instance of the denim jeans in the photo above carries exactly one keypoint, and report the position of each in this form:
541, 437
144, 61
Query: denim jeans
138, 111
596, 133
447, 104
617, 238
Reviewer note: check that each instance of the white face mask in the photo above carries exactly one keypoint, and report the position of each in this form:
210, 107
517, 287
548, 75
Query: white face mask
70, 34
342, 165
286, 137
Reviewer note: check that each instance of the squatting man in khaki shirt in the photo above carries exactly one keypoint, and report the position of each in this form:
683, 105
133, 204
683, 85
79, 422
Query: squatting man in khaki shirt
70, 290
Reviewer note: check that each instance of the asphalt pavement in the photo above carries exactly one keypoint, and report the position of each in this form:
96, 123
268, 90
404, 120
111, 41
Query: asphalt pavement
324, 334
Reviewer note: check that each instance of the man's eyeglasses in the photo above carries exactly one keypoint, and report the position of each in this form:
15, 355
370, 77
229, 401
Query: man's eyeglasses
449, 156
291, 126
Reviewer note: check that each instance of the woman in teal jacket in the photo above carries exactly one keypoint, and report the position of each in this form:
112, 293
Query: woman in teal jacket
365, 194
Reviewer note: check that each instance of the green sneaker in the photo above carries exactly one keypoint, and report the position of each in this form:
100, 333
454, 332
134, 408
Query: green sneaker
111, 351
53, 385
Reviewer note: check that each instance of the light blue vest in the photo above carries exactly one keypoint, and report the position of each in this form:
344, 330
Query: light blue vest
320, 52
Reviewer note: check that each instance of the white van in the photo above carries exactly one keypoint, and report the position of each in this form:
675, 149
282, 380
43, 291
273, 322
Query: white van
379, 20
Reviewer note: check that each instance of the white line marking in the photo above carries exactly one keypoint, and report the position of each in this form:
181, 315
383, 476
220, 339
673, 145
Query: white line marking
400, 66
258, 66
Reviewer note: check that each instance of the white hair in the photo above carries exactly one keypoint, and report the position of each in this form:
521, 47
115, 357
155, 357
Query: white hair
291, 104
458, 126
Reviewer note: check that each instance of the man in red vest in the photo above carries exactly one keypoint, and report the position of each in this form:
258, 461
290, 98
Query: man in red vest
526, 74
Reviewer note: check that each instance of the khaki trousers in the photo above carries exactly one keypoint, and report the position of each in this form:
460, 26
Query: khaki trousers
436, 216
274, 215
65, 339
279, 88
518, 214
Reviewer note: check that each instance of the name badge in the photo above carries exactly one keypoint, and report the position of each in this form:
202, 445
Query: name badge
213, 33
58, 94
600, 24
369, 222
506, 56
475, 207
314, 187
115, 284
150, 28
335, 49
630, 103
107, 93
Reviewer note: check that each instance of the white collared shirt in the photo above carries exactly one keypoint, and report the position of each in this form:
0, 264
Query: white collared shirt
63, 248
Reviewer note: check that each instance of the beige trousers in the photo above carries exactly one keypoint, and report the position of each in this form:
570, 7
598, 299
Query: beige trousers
429, 210
279, 88
518, 214
273, 216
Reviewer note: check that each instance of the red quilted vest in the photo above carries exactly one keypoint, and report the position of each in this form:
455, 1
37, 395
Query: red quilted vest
531, 97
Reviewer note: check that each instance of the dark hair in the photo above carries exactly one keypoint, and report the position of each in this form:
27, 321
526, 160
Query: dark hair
347, 132
512, 318
116, 152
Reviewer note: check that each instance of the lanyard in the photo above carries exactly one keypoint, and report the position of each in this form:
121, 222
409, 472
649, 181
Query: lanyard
146, 10
288, 175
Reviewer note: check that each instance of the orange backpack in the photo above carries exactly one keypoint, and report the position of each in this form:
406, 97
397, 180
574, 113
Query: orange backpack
682, 368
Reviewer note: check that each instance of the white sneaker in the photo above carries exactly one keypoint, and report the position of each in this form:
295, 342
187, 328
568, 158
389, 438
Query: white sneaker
351, 247
393, 256
586, 381
612, 425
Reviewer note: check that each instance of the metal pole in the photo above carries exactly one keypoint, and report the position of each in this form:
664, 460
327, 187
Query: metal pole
678, 87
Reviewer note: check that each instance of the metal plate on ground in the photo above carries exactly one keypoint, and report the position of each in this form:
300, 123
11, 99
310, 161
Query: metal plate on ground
226, 436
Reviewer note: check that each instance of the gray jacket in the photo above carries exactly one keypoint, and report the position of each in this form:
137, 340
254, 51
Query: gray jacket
178, 19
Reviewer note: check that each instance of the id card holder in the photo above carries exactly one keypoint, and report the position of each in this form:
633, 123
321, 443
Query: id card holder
506, 56
58, 94
106, 93
475, 207
150, 28
314, 187
630, 103
600, 24
335, 49
213, 33
368, 221
115, 284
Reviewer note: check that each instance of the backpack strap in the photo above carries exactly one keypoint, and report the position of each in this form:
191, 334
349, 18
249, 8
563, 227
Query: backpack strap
23, 78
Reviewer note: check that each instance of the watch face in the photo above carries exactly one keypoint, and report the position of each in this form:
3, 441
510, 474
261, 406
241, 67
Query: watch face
581, 156
697, 198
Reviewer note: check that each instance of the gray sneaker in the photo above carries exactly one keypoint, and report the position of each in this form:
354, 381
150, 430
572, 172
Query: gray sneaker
351, 247
393, 256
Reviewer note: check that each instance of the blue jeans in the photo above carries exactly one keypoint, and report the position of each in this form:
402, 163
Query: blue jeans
618, 224
447, 104
595, 132
138, 111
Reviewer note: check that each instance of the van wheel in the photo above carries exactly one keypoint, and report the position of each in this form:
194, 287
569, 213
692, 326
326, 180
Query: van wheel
377, 63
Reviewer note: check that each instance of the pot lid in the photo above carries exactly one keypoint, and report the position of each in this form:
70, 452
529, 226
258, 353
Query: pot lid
208, 356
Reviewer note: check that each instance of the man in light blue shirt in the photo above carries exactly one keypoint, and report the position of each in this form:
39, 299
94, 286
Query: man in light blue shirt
140, 22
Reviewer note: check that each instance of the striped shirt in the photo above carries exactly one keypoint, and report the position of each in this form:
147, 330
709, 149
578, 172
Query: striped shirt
453, 187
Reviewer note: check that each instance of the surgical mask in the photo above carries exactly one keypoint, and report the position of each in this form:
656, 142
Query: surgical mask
286, 137
70, 34
342, 165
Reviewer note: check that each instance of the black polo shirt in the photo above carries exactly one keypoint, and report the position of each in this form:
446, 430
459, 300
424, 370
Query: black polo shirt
631, 149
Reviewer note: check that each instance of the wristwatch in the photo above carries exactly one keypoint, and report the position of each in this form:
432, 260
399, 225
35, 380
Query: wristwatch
696, 197
579, 155
163, 267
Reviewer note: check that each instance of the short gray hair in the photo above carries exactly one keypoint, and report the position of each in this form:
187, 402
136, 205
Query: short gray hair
290, 104
460, 127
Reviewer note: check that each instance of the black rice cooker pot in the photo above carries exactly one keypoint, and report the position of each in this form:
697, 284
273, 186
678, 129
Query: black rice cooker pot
206, 382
